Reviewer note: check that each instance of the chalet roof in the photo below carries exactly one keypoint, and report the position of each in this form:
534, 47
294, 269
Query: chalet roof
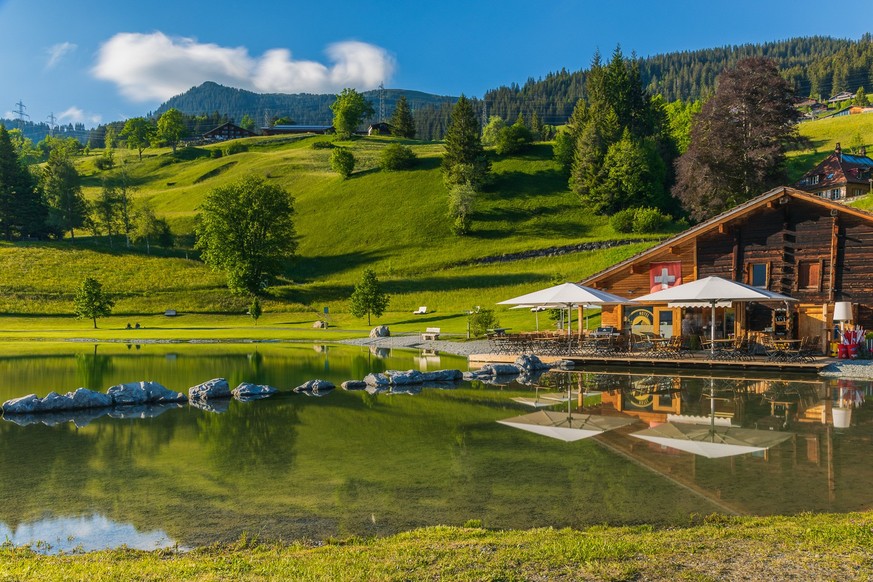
228, 124
725, 217
838, 169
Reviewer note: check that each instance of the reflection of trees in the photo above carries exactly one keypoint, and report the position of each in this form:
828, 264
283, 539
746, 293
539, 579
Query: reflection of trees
251, 437
91, 369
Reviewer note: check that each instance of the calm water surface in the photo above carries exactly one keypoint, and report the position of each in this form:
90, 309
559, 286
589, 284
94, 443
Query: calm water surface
355, 463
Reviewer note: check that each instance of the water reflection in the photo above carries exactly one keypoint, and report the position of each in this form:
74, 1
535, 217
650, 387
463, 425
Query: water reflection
52, 535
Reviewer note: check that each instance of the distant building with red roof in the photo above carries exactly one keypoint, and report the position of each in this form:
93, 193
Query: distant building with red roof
839, 176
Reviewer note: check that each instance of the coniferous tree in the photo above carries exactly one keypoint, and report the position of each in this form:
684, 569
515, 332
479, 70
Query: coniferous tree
63, 191
464, 148
22, 210
402, 123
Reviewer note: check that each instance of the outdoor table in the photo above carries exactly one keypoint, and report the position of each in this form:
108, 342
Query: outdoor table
499, 331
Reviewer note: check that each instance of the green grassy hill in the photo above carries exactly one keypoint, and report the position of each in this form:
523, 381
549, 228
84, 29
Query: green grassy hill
394, 222
824, 135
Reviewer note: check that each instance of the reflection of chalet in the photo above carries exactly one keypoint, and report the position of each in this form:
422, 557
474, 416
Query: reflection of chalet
839, 176
227, 131
785, 240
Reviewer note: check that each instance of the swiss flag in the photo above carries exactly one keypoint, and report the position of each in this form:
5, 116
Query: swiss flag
664, 275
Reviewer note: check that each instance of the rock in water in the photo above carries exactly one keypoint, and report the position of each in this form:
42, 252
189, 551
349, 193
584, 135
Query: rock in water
143, 393
215, 388
24, 405
442, 376
353, 385
53, 402
246, 390
405, 378
84, 398
377, 380
315, 386
530, 363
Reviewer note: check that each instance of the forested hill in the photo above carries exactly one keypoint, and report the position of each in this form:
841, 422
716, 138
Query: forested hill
303, 108
819, 66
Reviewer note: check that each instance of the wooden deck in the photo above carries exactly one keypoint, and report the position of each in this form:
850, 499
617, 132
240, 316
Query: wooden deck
697, 362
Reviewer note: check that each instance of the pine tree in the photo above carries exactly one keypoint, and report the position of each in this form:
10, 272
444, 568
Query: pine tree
465, 159
22, 210
402, 123
63, 190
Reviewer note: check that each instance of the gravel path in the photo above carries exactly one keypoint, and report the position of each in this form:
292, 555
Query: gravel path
857, 369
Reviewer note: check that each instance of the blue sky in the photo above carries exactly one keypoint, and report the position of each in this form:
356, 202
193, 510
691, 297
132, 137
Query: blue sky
95, 60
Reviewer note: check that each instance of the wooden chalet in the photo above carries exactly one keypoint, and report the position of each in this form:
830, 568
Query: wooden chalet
839, 176
227, 131
798, 244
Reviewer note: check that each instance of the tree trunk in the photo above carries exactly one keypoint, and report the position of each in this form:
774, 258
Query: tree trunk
95, 322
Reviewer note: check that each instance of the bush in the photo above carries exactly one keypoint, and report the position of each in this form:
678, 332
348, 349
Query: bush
216, 153
342, 162
397, 157
623, 220
481, 320
235, 148
648, 220
104, 163
460, 207
321, 145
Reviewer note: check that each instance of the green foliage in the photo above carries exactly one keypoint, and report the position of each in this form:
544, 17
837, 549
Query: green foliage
349, 110
649, 220
235, 147
396, 156
680, 116
464, 147
513, 139
104, 162
368, 298
461, 199
491, 131
171, 128
150, 229
322, 145
139, 132
481, 320
255, 310
215, 153
247, 122
22, 210
62, 186
401, 122
246, 230
633, 174
91, 301
342, 161
564, 149
623, 220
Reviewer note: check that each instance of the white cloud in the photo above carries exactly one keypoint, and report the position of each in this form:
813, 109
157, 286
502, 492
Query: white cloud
76, 115
57, 52
148, 67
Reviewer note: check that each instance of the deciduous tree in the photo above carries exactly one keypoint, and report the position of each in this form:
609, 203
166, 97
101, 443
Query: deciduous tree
139, 133
349, 110
246, 230
91, 301
63, 191
171, 128
738, 140
368, 298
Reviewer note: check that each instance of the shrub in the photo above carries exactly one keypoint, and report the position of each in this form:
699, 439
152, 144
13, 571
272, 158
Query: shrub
461, 199
235, 148
104, 163
623, 220
342, 161
481, 320
396, 157
216, 153
648, 220
321, 145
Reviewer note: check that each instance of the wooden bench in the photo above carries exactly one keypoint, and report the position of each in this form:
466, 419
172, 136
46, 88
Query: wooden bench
431, 334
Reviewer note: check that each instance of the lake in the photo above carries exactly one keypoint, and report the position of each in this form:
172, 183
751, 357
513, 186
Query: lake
362, 464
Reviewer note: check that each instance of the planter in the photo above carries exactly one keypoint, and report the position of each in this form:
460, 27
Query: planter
842, 417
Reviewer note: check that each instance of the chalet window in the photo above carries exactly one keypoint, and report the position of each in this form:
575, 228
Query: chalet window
758, 275
813, 179
809, 275
835, 194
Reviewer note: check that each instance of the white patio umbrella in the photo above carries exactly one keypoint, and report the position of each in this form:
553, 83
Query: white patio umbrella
567, 295
710, 440
715, 292
566, 426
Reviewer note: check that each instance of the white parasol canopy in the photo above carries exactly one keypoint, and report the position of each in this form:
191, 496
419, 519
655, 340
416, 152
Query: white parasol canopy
567, 295
712, 442
566, 426
713, 291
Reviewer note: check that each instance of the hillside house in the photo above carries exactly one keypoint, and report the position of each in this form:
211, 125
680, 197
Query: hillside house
227, 131
788, 241
839, 176
842, 96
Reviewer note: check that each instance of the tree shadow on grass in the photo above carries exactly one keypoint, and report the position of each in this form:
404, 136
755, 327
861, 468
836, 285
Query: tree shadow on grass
516, 184
306, 269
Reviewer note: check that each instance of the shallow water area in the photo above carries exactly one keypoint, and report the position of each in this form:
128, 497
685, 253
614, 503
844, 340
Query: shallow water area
380, 462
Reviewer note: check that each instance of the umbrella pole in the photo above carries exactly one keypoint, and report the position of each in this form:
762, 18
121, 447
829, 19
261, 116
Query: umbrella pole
712, 332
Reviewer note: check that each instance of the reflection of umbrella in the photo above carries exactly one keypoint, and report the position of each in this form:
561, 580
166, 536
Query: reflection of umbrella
712, 291
565, 296
565, 426
543, 401
712, 442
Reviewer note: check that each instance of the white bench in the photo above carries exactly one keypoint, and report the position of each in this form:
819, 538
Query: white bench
420, 311
431, 334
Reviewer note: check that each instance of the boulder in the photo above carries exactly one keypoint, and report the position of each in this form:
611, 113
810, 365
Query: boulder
159, 394
353, 385
499, 370
84, 398
142, 393
52, 402
565, 364
442, 376
406, 378
215, 388
315, 387
377, 380
24, 405
380, 331
530, 363
246, 390
319, 325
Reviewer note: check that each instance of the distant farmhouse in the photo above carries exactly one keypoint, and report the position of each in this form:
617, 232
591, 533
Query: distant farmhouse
286, 129
380, 128
840, 97
839, 176
227, 131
